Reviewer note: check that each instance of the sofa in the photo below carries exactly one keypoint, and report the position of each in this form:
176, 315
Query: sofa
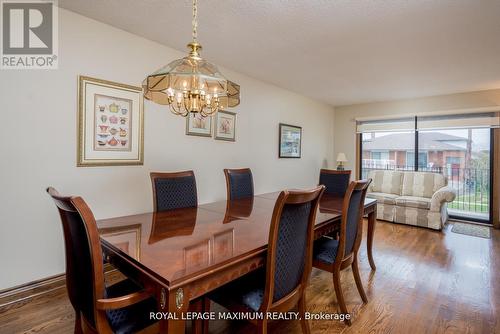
411, 198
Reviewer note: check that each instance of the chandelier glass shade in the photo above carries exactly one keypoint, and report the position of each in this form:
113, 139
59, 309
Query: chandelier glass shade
191, 84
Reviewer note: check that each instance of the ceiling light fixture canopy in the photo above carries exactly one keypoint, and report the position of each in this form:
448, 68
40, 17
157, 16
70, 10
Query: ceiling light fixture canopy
191, 84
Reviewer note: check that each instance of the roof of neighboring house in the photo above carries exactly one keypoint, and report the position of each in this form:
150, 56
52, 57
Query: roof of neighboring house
433, 141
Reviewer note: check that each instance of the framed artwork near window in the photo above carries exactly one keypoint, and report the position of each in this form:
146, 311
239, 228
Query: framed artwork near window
196, 125
225, 126
110, 123
290, 141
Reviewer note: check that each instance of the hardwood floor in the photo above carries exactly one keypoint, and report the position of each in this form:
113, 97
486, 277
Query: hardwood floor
426, 282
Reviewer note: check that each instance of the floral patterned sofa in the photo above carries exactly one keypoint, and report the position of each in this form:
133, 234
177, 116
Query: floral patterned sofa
412, 198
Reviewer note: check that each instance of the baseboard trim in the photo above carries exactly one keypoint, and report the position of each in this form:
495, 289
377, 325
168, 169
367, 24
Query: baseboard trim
30, 290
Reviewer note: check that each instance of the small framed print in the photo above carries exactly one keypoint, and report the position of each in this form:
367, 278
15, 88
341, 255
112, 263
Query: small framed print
225, 126
290, 141
197, 125
110, 123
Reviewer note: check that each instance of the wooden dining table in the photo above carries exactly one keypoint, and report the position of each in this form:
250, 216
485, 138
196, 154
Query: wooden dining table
181, 255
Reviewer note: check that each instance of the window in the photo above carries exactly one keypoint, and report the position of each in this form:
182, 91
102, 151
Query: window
463, 155
437, 144
386, 150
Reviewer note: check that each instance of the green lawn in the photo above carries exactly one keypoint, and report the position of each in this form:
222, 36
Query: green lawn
471, 203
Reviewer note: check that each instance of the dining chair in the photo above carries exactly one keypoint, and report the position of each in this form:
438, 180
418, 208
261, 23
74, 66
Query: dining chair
334, 255
120, 308
335, 181
239, 183
174, 190
282, 284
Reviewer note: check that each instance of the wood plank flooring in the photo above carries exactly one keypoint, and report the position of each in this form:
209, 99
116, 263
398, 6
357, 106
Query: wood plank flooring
426, 282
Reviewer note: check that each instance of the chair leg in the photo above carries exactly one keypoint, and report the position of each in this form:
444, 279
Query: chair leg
357, 278
340, 295
78, 323
262, 326
302, 310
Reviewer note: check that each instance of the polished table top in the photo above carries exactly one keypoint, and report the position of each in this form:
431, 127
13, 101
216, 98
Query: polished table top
175, 245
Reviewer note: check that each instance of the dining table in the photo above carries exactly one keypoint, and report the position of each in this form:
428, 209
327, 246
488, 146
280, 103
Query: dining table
181, 255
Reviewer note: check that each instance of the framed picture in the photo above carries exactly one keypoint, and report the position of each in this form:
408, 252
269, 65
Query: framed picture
196, 125
125, 238
225, 126
110, 123
290, 141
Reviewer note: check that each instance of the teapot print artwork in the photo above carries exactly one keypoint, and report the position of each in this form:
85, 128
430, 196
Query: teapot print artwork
110, 123
113, 122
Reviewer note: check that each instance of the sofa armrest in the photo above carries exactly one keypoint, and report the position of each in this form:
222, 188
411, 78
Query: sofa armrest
443, 195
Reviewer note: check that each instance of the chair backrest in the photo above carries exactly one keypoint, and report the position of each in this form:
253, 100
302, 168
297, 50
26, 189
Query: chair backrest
352, 214
174, 190
289, 254
84, 268
335, 181
239, 183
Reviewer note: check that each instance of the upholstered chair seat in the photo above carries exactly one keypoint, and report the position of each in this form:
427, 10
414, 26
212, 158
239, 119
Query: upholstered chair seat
133, 318
247, 291
325, 250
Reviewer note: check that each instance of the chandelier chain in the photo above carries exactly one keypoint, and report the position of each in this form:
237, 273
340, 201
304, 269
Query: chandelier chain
195, 20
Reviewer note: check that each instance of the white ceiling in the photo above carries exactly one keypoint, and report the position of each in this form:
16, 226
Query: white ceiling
336, 51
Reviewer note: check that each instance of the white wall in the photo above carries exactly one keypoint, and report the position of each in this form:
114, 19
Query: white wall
345, 126
38, 143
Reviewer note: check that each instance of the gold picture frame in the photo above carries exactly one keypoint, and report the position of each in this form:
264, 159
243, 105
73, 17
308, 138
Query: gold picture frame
225, 126
110, 123
196, 125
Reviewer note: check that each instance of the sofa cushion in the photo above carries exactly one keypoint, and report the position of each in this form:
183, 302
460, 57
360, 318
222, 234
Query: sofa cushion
386, 181
383, 198
414, 202
422, 184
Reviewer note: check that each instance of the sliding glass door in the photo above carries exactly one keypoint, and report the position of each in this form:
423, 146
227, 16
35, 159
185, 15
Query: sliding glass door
464, 156
461, 153
387, 150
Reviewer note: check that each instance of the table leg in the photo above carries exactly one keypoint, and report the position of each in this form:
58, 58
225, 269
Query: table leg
372, 219
174, 303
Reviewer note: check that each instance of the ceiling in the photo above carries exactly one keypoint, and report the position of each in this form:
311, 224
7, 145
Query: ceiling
337, 51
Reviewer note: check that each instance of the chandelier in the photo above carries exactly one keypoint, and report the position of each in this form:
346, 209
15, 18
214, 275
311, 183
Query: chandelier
191, 84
